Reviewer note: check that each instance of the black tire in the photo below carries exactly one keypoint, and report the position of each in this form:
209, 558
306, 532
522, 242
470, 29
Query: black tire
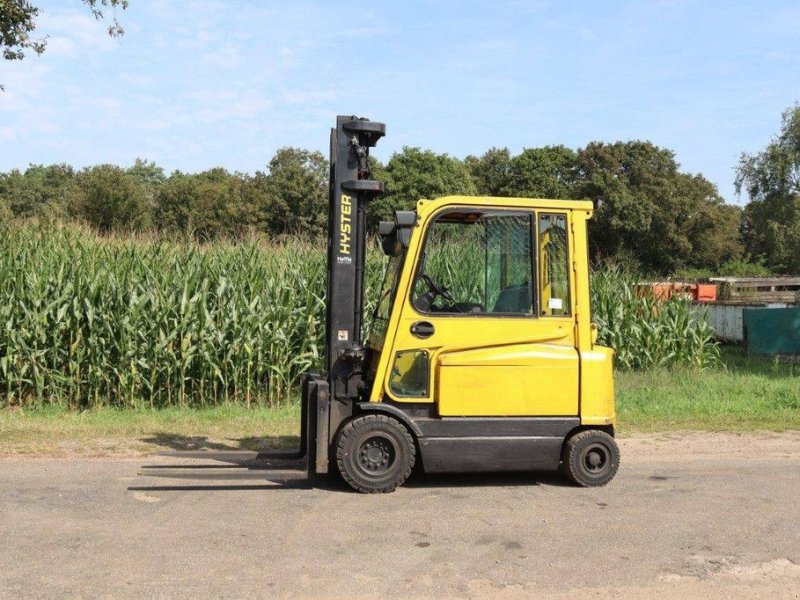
590, 458
375, 454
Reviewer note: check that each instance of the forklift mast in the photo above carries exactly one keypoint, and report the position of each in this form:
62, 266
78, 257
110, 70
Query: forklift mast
329, 398
350, 190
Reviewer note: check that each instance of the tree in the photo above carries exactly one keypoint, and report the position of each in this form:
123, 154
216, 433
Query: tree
38, 192
175, 202
771, 178
18, 22
710, 226
204, 206
295, 190
548, 172
415, 174
149, 174
109, 199
651, 214
491, 172
5, 212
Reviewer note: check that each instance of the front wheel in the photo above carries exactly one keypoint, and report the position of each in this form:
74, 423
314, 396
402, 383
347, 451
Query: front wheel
375, 454
590, 458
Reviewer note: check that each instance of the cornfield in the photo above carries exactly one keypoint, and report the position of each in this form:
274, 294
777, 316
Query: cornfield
90, 321
647, 332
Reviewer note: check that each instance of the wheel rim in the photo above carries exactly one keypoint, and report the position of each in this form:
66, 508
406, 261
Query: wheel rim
596, 459
376, 456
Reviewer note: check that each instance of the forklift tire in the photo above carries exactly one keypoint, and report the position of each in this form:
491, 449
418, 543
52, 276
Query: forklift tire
590, 458
375, 453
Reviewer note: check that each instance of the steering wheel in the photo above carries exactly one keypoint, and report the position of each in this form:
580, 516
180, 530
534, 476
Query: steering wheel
437, 289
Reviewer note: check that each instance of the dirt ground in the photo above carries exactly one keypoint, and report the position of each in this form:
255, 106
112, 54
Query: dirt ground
689, 515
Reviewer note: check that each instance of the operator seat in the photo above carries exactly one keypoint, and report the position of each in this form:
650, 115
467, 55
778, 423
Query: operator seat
515, 299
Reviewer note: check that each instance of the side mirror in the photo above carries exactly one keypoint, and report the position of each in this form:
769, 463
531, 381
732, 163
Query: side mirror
396, 235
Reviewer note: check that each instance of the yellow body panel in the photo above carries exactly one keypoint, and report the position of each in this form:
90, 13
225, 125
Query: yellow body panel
490, 365
597, 386
457, 334
520, 380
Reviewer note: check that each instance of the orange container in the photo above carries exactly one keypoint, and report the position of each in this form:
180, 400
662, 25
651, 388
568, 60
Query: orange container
662, 291
699, 292
706, 292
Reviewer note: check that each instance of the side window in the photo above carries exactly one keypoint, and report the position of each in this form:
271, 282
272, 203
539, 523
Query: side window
477, 262
409, 376
554, 265
509, 284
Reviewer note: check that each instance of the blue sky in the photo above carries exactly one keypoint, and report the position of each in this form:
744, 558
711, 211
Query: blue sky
197, 84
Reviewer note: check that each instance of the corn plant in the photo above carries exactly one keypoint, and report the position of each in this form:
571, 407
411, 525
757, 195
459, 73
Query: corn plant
647, 332
90, 321
87, 321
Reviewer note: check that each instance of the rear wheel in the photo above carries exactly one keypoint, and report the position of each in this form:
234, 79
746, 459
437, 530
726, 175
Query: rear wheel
590, 458
375, 454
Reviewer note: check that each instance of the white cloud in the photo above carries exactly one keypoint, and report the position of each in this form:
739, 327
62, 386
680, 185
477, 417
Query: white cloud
73, 32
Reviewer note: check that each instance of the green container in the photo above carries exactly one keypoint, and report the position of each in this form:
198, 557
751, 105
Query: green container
772, 330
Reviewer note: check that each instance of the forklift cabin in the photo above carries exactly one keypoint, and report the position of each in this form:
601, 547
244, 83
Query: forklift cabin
480, 353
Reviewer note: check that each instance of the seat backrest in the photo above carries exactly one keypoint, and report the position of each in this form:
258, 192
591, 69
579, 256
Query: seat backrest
514, 299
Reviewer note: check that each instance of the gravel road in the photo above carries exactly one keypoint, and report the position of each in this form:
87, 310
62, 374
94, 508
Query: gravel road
689, 515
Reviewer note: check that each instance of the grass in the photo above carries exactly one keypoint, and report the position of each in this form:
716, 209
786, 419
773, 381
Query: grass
101, 431
739, 394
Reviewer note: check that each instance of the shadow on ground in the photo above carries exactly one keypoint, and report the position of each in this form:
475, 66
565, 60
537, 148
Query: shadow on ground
252, 471
175, 441
268, 463
471, 480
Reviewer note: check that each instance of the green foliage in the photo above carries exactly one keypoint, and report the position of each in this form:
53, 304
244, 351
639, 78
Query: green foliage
296, 192
771, 179
149, 175
710, 226
664, 218
109, 199
693, 274
87, 321
548, 172
491, 172
18, 22
744, 268
416, 174
204, 206
644, 331
653, 217
5, 212
292, 198
39, 192
97, 7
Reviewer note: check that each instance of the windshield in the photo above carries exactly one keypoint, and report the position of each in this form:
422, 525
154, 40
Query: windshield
383, 308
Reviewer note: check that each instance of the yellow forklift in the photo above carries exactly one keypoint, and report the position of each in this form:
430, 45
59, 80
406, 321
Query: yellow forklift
481, 353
